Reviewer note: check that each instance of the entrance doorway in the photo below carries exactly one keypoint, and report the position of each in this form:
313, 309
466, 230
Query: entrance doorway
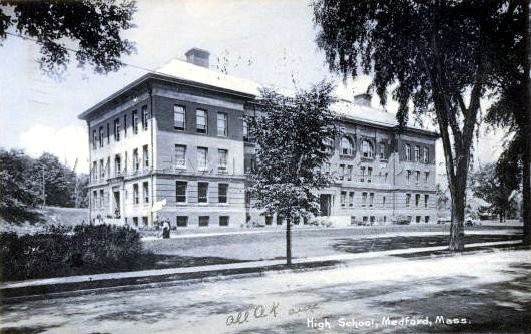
326, 205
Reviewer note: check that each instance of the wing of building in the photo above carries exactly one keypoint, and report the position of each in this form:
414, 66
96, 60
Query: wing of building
172, 145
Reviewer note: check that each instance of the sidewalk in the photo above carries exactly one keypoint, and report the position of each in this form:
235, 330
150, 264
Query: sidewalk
243, 267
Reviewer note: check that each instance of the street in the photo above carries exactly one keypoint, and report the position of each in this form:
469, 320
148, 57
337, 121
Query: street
483, 292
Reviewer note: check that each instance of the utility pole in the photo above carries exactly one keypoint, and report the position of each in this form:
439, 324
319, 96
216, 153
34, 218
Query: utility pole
43, 189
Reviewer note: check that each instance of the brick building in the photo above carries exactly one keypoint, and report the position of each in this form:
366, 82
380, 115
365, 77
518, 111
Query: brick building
172, 144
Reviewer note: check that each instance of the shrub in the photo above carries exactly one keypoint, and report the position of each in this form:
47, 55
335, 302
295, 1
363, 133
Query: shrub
60, 251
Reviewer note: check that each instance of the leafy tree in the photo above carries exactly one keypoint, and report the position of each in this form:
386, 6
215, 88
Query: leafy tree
511, 113
92, 27
18, 192
59, 181
290, 134
439, 56
496, 188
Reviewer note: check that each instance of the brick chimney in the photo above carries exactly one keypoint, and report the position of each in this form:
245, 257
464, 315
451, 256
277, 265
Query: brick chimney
197, 57
362, 100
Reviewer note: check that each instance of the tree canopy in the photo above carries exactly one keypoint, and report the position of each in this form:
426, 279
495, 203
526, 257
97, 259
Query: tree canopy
437, 57
92, 27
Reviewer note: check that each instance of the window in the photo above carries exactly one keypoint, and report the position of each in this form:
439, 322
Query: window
94, 198
108, 134
346, 146
364, 199
351, 199
369, 174
427, 219
117, 165
223, 220
222, 160
417, 200
94, 139
181, 221
108, 167
101, 136
407, 149
280, 219
326, 168
328, 145
180, 156
136, 163
125, 162
245, 130
180, 192
383, 152
383, 202
408, 176
203, 221
417, 178
202, 192
426, 177
222, 192
349, 173
94, 171
341, 172
145, 192
145, 117
372, 220
117, 129
362, 172
371, 199
417, 219
125, 125
202, 158
179, 117
145, 155
222, 124
408, 200
134, 116
201, 121
102, 169
269, 220
102, 198
367, 149
385, 176
135, 194
343, 199
426, 199
135, 221
417, 153
425, 155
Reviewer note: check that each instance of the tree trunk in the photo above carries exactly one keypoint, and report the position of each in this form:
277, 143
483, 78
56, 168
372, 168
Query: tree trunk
457, 230
288, 241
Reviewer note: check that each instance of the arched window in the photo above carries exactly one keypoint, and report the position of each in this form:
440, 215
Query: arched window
407, 149
346, 146
425, 155
328, 145
367, 149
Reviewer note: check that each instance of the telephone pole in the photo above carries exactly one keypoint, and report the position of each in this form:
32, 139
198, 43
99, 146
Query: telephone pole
43, 189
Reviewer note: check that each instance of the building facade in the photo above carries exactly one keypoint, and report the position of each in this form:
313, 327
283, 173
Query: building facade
173, 145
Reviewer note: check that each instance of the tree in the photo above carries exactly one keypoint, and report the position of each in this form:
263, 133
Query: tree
59, 180
441, 57
18, 192
496, 188
511, 113
93, 27
291, 136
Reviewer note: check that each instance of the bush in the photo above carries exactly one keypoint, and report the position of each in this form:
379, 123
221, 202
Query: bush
85, 249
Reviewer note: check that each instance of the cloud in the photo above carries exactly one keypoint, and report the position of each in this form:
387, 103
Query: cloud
67, 143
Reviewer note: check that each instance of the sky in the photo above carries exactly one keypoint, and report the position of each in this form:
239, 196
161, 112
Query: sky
268, 41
